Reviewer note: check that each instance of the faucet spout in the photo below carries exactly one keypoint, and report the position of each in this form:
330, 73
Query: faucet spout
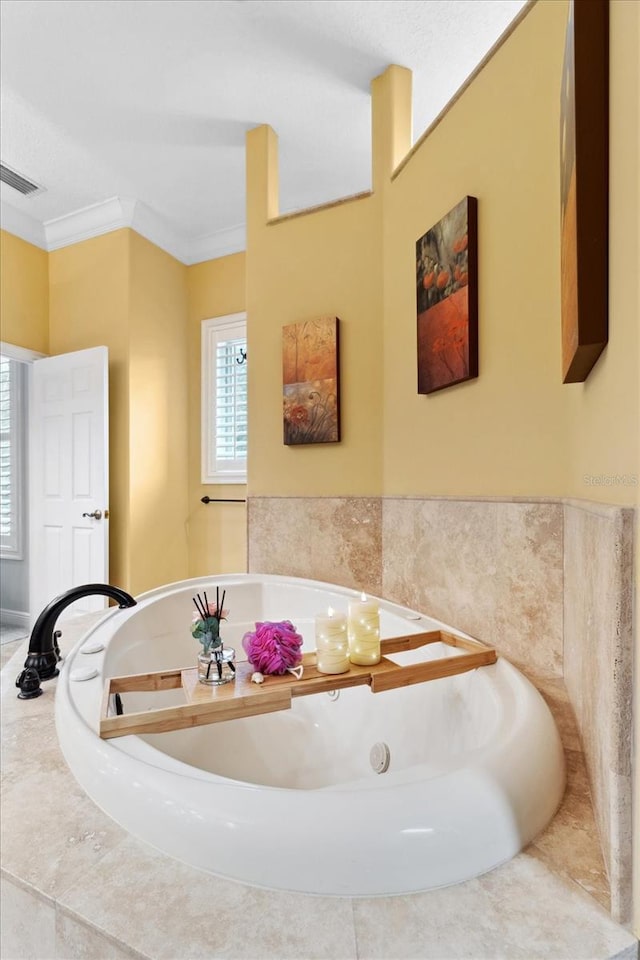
44, 652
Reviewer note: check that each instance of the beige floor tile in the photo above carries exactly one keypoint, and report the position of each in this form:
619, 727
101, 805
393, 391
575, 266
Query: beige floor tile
27, 927
520, 910
77, 941
174, 912
51, 831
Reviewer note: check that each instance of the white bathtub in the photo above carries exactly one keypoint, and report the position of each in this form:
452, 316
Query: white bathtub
289, 800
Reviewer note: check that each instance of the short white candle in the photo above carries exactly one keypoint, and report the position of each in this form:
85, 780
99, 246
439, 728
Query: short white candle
332, 647
364, 631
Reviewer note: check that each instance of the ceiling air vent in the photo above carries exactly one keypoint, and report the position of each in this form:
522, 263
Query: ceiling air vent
18, 182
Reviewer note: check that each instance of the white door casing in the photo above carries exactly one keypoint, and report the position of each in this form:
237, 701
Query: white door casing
69, 476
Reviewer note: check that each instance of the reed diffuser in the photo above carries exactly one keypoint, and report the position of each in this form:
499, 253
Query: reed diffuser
216, 663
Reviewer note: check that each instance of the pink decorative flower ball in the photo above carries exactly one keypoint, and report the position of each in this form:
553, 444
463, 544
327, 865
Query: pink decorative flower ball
273, 647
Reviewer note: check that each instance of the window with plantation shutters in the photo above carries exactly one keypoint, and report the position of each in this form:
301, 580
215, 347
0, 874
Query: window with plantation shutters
10, 453
224, 399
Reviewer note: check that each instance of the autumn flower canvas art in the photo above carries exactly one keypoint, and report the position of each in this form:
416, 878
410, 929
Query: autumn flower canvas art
447, 299
310, 367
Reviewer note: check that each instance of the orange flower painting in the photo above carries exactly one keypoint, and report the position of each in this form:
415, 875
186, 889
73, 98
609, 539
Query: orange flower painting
447, 299
310, 373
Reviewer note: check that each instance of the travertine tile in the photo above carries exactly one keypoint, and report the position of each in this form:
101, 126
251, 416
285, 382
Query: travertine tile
495, 917
73, 837
333, 539
77, 941
528, 586
490, 568
629, 953
38, 788
598, 671
178, 913
570, 845
440, 557
7, 650
27, 928
555, 693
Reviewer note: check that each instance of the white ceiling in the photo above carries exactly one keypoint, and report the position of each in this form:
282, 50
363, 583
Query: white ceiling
149, 100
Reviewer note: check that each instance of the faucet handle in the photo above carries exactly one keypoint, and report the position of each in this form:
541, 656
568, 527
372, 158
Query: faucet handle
29, 683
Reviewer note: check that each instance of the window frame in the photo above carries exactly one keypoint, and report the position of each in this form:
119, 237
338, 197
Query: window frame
213, 330
12, 547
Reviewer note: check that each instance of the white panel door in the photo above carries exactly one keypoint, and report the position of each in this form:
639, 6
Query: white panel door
69, 471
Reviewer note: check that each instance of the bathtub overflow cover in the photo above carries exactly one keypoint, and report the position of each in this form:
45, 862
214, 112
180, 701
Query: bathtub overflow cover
380, 757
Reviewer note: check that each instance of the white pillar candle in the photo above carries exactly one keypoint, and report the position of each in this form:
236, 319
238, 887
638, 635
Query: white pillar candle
364, 631
332, 647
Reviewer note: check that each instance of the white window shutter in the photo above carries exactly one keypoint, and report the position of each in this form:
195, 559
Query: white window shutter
10, 459
224, 400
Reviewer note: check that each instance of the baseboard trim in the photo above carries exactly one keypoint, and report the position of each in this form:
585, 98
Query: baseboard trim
15, 618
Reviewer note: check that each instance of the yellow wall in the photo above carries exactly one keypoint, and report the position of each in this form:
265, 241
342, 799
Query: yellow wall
499, 142
122, 291
158, 416
504, 433
516, 430
604, 412
24, 293
89, 307
216, 532
324, 264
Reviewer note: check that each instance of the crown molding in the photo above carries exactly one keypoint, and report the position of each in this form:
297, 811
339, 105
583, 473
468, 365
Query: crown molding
119, 212
22, 225
210, 246
88, 222
114, 214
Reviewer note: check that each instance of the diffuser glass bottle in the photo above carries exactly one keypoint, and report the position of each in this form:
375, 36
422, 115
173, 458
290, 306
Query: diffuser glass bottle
217, 665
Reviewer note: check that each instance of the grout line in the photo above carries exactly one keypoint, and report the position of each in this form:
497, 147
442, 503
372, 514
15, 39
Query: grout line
63, 911
27, 887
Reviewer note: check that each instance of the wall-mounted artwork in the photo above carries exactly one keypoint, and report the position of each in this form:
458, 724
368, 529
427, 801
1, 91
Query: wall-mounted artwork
311, 394
584, 153
447, 299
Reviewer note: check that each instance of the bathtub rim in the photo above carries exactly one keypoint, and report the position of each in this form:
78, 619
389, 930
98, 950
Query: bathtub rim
142, 751
493, 785
136, 747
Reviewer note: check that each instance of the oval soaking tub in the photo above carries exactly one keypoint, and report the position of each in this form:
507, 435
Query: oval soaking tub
293, 800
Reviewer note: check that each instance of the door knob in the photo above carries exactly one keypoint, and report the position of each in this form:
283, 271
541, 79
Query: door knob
96, 515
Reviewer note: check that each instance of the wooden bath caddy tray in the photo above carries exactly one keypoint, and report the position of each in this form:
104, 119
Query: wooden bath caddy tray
242, 698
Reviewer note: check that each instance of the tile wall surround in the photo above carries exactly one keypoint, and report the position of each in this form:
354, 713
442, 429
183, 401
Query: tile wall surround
333, 539
490, 568
598, 667
76, 885
547, 581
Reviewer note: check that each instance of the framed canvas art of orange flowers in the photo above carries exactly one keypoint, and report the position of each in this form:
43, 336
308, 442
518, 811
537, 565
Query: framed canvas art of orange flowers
447, 299
310, 373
